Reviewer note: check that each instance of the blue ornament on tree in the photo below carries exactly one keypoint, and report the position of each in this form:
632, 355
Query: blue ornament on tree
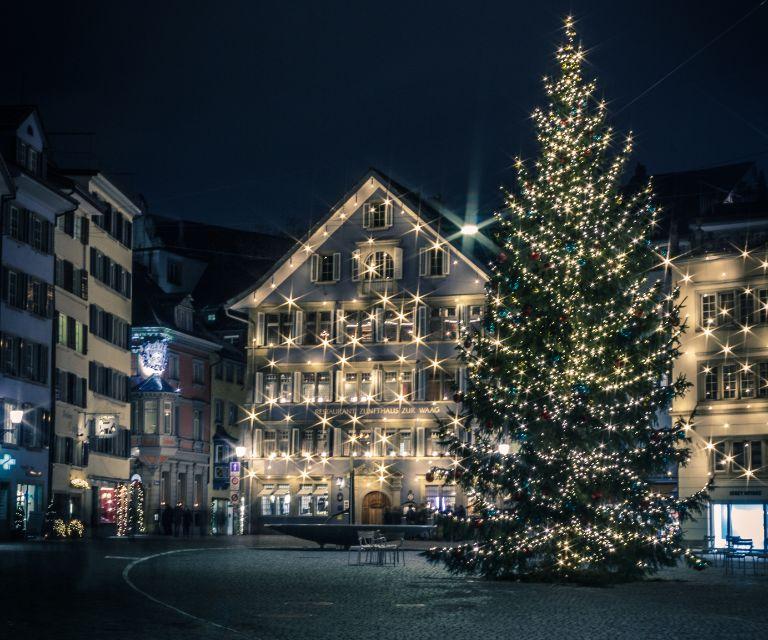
570, 247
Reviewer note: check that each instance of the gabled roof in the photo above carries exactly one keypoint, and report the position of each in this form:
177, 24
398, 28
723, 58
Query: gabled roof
13, 115
428, 213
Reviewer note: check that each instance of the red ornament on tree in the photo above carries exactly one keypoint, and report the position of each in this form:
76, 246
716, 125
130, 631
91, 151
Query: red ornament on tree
545, 414
527, 310
535, 255
597, 495
502, 257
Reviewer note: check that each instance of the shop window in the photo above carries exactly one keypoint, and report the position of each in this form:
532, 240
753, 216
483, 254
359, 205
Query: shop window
107, 505
321, 500
305, 499
440, 497
283, 499
736, 519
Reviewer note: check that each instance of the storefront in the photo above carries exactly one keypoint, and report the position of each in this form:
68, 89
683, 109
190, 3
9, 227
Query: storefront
743, 519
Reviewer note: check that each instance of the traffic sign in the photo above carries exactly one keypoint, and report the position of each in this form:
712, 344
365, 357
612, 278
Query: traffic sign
234, 497
234, 482
234, 468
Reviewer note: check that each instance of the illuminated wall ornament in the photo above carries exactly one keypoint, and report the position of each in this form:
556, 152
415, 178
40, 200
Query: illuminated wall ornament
153, 356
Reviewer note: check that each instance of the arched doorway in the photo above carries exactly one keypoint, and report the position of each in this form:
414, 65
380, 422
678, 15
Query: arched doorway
375, 504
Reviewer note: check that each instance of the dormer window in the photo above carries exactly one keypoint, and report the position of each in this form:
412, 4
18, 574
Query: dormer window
377, 214
379, 266
28, 157
183, 317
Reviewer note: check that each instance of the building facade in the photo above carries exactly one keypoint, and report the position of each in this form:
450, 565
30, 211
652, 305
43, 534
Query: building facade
725, 356
352, 362
93, 364
30, 205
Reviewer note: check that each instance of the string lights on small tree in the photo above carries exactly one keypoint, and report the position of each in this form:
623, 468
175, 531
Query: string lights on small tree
567, 380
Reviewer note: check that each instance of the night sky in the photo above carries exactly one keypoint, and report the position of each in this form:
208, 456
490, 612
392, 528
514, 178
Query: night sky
247, 113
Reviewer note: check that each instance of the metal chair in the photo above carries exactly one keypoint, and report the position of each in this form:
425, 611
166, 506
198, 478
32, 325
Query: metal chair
738, 551
364, 545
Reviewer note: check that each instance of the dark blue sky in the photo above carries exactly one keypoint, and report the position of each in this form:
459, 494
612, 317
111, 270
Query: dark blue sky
253, 113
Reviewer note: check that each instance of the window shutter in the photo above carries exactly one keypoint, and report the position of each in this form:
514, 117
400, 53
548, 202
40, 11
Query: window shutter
259, 329
398, 263
446, 261
461, 373
314, 267
85, 230
340, 337
388, 217
420, 441
295, 441
337, 438
423, 262
258, 387
378, 324
298, 326
339, 386
366, 216
85, 339
422, 319
336, 267
420, 382
378, 383
356, 266
297, 386
258, 443
83, 284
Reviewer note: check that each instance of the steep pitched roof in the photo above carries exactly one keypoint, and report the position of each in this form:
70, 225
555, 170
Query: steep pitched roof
430, 213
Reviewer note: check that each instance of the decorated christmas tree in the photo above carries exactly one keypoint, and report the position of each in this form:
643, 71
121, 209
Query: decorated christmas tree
571, 374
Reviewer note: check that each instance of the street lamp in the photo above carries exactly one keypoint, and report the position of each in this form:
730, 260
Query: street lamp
240, 451
469, 229
17, 415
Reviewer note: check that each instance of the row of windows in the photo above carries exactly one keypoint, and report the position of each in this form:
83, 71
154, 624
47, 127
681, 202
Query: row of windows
33, 430
218, 412
26, 226
71, 389
74, 226
22, 358
164, 417
70, 451
745, 306
115, 224
27, 293
105, 270
376, 325
70, 278
110, 327
108, 382
731, 381
738, 456
72, 333
116, 444
312, 500
357, 387
364, 443
229, 371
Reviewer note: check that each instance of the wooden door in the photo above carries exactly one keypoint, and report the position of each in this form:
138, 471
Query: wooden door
375, 504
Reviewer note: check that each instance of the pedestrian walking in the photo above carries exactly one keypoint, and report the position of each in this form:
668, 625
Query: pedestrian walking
166, 519
187, 522
178, 514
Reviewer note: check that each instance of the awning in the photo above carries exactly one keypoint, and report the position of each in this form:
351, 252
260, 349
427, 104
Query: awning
305, 491
266, 491
282, 492
320, 490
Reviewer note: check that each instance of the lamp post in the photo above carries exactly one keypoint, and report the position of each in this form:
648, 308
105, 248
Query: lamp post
240, 454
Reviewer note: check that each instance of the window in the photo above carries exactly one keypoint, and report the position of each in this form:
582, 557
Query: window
198, 372
270, 387
318, 327
173, 366
747, 382
279, 327
440, 497
232, 416
321, 501
284, 441
23, 358
359, 325
434, 261
321, 442
218, 410
729, 381
114, 223
305, 500
27, 293
444, 323
316, 387
268, 500
108, 382
439, 384
377, 214
240, 374
283, 499
710, 383
286, 388
708, 309
398, 325
762, 306
167, 417
397, 386
755, 455
350, 387
70, 388
325, 268
184, 317
26, 226
746, 307
108, 272
109, 327
475, 317
197, 424
270, 442
71, 334
379, 266
358, 387
150, 416
173, 272
229, 372
726, 302
762, 381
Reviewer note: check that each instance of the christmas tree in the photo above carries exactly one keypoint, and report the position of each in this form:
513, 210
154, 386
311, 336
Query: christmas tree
566, 382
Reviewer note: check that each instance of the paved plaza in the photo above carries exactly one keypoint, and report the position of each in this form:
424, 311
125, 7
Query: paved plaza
280, 588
